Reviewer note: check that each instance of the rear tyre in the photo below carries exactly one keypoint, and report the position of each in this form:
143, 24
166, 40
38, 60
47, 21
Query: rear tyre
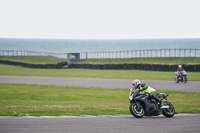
136, 111
170, 111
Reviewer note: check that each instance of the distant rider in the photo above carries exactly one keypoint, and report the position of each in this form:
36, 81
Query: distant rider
180, 69
143, 87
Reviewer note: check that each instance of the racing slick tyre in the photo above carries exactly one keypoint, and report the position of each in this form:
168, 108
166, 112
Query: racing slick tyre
176, 79
170, 111
185, 79
136, 111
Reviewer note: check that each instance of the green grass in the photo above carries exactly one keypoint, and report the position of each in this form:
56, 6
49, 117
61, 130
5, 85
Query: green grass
49, 100
154, 60
89, 73
34, 59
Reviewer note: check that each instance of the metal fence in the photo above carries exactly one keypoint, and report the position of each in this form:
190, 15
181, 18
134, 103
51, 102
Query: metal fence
31, 53
112, 54
143, 53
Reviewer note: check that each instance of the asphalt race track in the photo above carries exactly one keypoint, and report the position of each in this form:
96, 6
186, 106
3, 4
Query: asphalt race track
185, 123
103, 83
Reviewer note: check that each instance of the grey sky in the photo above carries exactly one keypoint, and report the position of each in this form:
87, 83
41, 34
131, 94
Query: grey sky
100, 18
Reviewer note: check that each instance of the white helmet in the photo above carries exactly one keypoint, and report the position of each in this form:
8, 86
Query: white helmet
136, 83
179, 66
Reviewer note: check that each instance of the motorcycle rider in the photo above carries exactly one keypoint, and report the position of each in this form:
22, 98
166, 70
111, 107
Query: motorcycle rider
180, 69
143, 87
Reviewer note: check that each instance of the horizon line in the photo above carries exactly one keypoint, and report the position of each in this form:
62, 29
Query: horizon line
97, 38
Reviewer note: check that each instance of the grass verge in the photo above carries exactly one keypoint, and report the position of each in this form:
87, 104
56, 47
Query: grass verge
49, 100
89, 73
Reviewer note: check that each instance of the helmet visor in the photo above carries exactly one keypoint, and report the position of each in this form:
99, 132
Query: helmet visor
134, 85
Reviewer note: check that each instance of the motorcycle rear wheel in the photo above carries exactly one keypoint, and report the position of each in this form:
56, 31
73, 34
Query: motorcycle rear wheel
136, 111
168, 112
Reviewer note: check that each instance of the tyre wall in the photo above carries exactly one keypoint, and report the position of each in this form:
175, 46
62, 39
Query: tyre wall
151, 67
50, 66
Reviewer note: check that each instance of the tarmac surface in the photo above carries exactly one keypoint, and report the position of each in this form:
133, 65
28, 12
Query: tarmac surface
181, 123
103, 83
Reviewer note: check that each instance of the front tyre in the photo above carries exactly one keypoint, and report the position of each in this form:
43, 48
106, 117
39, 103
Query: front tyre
136, 111
170, 111
176, 79
185, 79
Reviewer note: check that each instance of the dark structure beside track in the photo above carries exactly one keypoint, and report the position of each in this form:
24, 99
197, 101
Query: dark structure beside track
150, 67
50, 66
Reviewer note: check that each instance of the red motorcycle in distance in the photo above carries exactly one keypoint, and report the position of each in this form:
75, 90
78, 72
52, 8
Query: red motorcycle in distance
181, 77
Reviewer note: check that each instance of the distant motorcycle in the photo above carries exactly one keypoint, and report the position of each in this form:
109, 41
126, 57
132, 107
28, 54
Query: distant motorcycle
142, 105
182, 77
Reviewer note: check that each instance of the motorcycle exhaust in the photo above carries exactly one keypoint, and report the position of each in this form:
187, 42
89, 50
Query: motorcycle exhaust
164, 107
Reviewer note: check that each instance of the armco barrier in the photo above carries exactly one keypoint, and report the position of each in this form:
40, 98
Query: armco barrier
50, 66
151, 67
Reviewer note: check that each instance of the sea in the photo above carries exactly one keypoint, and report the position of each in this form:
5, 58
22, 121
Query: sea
96, 45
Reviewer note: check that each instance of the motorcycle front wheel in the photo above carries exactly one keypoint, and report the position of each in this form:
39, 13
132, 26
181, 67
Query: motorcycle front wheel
170, 111
136, 111
185, 79
176, 80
